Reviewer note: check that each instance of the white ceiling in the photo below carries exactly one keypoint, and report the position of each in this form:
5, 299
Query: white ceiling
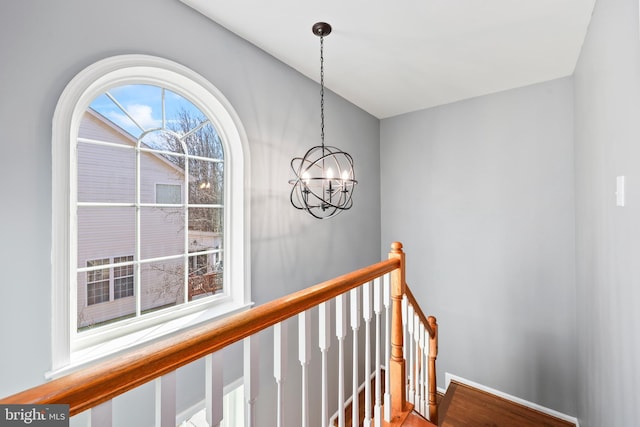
393, 57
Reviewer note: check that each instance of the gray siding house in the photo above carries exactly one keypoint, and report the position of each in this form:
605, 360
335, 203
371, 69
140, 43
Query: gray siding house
107, 234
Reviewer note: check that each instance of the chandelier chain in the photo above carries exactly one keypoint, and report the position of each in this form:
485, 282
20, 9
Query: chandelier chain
322, 89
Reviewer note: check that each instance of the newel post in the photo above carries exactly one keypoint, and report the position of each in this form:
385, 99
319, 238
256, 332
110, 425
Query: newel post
397, 367
433, 355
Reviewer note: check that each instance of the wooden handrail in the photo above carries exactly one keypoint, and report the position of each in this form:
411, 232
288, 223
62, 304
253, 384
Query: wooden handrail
416, 308
92, 386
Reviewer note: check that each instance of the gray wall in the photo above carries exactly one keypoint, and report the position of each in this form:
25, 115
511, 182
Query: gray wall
607, 138
44, 44
480, 192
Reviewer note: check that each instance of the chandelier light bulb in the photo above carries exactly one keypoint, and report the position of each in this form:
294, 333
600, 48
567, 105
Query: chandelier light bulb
330, 173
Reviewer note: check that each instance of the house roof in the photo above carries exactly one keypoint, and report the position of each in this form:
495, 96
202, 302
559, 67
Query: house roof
130, 139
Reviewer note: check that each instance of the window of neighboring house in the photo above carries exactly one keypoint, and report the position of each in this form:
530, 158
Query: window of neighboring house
123, 277
97, 281
149, 159
168, 194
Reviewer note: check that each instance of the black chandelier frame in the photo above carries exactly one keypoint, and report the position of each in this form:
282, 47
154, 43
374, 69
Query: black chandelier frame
325, 177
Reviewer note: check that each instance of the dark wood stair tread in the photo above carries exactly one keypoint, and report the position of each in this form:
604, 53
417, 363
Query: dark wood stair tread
416, 420
465, 406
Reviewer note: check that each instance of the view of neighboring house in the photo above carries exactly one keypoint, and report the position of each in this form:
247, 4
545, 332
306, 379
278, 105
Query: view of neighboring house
505, 203
107, 229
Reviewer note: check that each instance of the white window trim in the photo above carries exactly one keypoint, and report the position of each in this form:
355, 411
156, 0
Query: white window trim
74, 100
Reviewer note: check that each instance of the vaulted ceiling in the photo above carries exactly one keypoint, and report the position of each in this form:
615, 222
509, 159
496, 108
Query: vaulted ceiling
394, 57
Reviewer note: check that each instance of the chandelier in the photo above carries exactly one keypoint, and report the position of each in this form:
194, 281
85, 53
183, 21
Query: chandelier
325, 178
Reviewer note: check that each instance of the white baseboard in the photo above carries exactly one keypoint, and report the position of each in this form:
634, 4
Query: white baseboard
449, 377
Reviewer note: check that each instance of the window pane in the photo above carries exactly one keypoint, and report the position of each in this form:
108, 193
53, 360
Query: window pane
97, 292
161, 232
97, 282
106, 174
95, 304
205, 220
203, 140
205, 284
143, 104
162, 284
206, 183
105, 231
158, 169
168, 194
205, 264
123, 277
164, 140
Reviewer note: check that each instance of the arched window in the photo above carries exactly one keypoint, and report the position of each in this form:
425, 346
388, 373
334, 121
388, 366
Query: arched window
150, 218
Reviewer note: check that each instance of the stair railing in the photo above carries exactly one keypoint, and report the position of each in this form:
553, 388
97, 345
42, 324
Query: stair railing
422, 384
369, 289
415, 337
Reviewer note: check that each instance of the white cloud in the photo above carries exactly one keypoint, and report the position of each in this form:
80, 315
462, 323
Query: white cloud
142, 114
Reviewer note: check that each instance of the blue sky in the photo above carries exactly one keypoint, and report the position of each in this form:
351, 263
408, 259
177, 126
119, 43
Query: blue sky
144, 104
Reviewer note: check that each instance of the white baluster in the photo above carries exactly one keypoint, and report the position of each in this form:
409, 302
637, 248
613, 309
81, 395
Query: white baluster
377, 308
386, 289
280, 366
324, 320
409, 343
166, 400
214, 391
424, 363
417, 359
251, 377
405, 305
341, 332
304, 355
405, 344
367, 315
102, 415
355, 326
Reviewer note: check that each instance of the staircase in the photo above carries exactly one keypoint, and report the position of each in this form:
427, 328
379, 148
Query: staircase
403, 340
466, 406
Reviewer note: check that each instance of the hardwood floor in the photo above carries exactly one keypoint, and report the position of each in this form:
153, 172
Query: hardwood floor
415, 420
465, 406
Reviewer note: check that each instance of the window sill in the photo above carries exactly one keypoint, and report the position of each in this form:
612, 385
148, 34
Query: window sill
93, 354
